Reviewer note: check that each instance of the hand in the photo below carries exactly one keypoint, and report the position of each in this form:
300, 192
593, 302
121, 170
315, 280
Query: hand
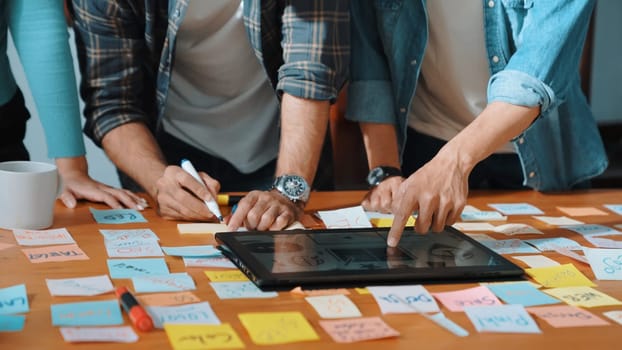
78, 185
264, 210
181, 197
380, 197
438, 190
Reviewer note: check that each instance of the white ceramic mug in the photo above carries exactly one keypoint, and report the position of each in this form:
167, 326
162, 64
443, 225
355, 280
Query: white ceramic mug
28, 191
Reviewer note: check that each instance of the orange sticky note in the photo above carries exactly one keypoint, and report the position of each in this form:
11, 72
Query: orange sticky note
560, 316
55, 253
168, 299
359, 329
581, 211
565, 275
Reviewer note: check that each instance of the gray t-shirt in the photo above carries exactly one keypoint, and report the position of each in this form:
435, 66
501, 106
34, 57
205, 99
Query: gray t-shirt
452, 85
220, 100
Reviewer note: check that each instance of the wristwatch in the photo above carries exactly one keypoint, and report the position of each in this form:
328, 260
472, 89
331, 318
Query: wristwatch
379, 174
293, 187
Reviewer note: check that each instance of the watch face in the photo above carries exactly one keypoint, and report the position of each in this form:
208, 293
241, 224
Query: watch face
294, 186
375, 176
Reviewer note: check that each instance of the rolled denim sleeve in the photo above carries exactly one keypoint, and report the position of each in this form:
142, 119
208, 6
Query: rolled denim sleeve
521, 89
110, 51
370, 91
315, 42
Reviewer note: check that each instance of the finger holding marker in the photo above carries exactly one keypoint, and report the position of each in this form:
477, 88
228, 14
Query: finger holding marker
211, 203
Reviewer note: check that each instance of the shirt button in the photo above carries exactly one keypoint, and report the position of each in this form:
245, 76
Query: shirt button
403, 110
413, 62
521, 141
495, 59
532, 174
177, 13
491, 3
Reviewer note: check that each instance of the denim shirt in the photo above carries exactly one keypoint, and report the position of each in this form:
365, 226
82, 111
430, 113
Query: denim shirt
533, 49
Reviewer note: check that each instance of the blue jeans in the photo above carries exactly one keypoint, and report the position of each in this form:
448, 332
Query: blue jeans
13, 119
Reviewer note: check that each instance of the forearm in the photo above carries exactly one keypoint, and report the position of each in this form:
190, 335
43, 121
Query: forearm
495, 126
303, 129
134, 150
380, 145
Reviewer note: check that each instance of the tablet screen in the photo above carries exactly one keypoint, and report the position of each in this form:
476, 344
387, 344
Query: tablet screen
320, 255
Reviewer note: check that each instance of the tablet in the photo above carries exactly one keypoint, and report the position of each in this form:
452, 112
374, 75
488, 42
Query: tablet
278, 260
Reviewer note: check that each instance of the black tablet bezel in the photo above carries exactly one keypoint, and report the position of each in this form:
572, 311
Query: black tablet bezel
267, 280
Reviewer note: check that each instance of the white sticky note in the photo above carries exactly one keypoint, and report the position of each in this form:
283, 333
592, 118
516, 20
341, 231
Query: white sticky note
473, 226
197, 313
509, 246
83, 286
616, 208
334, 306
615, 315
201, 228
123, 334
43, 237
389, 299
516, 229
353, 217
535, 261
558, 220
554, 243
606, 263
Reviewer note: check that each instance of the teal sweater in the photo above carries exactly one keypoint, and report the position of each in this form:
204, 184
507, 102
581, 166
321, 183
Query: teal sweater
40, 35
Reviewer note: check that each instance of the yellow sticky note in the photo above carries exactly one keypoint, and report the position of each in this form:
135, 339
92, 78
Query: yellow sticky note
559, 276
226, 276
267, 328
387, 222
362, 290
582, 296
195, 337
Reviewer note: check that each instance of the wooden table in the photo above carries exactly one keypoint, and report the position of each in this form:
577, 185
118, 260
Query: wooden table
416, 331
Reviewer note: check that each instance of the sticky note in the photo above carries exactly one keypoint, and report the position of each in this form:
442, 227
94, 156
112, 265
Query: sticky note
334, 306
196, 250
558, 220
13, 300
225, 275
482, 216
196, 337
91, 313
360, 329
124, 235
536, 260
616, 208
268, 328
509, 246
521, 293
581, 211
391, 299
473, 226
80, 286
128, 268
562, 316
318, 292
210, 261
117, 216
352, 217
43, 237
388, 222
173, 282
606, 263
516, 229
582, 296
123, 334
587, 230
12, 323
501, 319
553, 243
55, 253
197, 313
615, 315
476, 296
516, 208
130, 249
201, 228
566, 275
168, 299
240, 290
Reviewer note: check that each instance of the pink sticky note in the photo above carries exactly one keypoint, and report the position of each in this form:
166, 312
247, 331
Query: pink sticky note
55, 253
477, 296
358, 329
567, 316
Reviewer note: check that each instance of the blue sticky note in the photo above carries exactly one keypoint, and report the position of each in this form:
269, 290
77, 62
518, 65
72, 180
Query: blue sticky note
481, 216
116, 216
13, 300
198, 313
174, 282
128, 268
516, 208
521, 293
193, 250
554, 243
90, 313
616, 208
501, 319
240, 290
12, 323
606, 263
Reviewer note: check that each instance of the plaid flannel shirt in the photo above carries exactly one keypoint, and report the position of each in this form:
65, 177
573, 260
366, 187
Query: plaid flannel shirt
126, 51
